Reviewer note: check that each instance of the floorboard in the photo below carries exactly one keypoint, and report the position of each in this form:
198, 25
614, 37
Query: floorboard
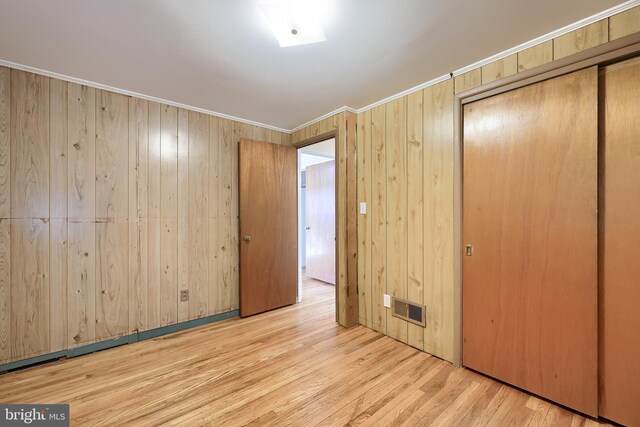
293, 366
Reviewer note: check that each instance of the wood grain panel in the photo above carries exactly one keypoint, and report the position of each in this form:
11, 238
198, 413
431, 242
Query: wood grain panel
58, 283
198, 215
81, 149
261, 134
112, 309
499, 69
138, 275
438, 219
365, 291
183, 212
348, 297
5, 142
535, 56
397, 221
530, 288
225, 288
154, 268
240, 130
138, 158
169, 271
81, 267
624, 24
378, 212
138, 213
415, 211
169, 214
29, 287
268, 202
468, 80
321, 221
581, 39
58, 157
29, 145
112, 155
5, 289
215, 272
154, 198
619, 334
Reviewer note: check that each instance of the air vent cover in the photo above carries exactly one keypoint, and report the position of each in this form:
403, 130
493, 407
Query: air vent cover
406, 310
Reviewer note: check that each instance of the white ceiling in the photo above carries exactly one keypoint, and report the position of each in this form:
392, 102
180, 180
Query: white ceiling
219, 55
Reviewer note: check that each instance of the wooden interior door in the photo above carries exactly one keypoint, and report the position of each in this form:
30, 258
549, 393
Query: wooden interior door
268, 226
321, 221
619, 238
530, 214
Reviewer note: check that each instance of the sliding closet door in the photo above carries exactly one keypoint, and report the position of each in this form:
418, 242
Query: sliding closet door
530, 216
619, 239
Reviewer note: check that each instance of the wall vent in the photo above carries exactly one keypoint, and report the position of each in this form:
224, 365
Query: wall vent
409, 311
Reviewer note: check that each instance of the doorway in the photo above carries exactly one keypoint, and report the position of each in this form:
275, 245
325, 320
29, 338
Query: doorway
316, 214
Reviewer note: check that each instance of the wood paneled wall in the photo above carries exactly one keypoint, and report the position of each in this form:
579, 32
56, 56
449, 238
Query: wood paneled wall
109, 207
405, 175
405, 241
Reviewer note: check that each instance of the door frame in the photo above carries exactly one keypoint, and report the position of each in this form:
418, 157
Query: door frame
614, 51
305, 143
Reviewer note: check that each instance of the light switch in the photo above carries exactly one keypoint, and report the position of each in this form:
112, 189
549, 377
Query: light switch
363, 208
387, 301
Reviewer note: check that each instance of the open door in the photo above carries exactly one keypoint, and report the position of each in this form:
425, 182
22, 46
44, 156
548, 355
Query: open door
321, 221
268, 226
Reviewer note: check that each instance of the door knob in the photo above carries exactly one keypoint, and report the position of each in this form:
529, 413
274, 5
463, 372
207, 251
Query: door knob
469, 250
246, 238
307, 228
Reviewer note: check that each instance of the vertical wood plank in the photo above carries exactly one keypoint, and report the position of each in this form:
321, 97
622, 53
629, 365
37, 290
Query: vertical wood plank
112, 309
29, 286
364, 221
224, 211
396, 157
58, 157
138, 158
5, 290
214, 214
169, 215
286, 139
378, 218
581, 39
468, 80
58, 282
276, 137
81, 150
350, 293
184, 244
240, 130
81, 268
138, 212
262, 134
624, 24
341, 236
198, 214
535, 56
415, 218
112, 155
5, 142
29, 145
499, 69
153, 238
438, 227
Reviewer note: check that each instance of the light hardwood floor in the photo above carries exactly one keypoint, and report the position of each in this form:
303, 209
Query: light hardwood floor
292, 366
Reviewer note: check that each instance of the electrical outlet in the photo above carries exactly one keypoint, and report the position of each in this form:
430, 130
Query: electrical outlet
363, 208
184, 295
387, 301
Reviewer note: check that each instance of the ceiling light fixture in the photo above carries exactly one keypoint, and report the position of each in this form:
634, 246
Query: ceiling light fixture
294, 22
